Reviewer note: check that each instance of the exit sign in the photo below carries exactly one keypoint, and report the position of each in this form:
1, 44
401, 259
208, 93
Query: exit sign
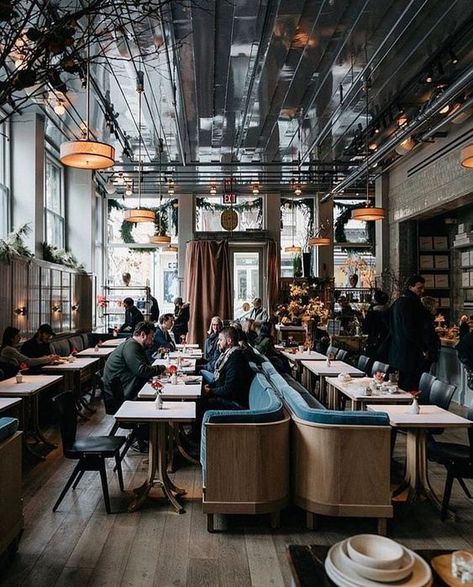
229, 198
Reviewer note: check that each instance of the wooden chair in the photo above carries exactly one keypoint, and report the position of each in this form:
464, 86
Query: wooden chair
457, 459
90, 452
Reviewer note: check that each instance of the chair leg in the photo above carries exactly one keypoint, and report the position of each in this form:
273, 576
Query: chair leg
129, 441
103, 477
382, 526
118, 467
114, 429
75, 472
446, 495
79, 477
464, 487
275, 519
210, 523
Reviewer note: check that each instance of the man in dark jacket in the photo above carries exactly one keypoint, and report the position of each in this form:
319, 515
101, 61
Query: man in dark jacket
181, 319
132, 316
38, 346
129, 364
162, 338
406, 331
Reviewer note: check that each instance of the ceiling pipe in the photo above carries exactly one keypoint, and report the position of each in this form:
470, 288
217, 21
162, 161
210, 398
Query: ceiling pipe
407, 130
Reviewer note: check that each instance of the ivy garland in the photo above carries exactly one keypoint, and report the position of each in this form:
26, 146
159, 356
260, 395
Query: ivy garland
341, 222
163, 212
306, 206
257, 204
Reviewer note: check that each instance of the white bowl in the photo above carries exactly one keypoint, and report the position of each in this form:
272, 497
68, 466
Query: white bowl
381, 575
377, 552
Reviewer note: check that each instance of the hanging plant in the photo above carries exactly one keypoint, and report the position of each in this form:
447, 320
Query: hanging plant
306, 207
340, 225
13, 246
59, 256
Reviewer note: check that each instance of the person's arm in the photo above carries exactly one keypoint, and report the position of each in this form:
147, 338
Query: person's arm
227, 385
137, 364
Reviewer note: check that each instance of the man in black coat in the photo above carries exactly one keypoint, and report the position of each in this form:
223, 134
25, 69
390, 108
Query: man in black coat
406, 330
132, 316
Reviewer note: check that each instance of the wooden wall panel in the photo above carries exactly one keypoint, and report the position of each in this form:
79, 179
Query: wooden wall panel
45, 292
19, 271
6, 308
34, 298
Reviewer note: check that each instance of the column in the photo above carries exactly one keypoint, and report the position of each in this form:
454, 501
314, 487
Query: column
382, 226
185, 234
80, 215
324, 255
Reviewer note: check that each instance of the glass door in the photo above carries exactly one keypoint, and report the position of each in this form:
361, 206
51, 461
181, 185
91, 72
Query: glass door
247, 279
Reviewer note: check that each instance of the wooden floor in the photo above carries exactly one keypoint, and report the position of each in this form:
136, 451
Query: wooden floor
81, 545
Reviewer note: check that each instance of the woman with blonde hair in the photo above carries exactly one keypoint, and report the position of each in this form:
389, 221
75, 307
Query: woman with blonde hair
211, 350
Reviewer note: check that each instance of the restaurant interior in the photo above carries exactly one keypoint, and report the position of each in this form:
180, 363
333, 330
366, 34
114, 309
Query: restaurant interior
236, 292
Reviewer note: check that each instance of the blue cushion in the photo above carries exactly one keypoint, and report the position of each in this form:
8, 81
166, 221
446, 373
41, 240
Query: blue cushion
309, 399
299, 407
265, 406
268, 368
8, 426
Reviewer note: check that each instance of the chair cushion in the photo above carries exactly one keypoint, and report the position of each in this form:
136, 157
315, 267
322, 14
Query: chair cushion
61, 347
8, 427
105, 445
268, 368
310, 400
76, 343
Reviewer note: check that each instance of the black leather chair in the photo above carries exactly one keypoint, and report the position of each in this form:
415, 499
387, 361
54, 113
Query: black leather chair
364, 364
379, 366
457, 459
441, 394
332, 350
90, 452
425, 385
61, 347
341, 355
77, 343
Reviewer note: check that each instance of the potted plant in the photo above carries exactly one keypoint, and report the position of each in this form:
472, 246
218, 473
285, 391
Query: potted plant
297, 265
160, 236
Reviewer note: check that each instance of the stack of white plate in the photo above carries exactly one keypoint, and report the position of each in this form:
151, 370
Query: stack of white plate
368, 560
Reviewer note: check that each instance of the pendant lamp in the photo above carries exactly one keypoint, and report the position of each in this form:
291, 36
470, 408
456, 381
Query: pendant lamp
160, 238
139, 214
87, 153
368, 212
466, 157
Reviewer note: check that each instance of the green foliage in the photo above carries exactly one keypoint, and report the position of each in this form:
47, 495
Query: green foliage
306, 206
53, 254
257, 204
341, 222
13, 246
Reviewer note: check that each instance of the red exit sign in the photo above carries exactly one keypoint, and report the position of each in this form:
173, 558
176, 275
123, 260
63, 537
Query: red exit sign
229, 198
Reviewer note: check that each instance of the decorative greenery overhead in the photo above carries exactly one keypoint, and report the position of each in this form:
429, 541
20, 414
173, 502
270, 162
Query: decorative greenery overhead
341, 222
14, 247
257, 204
306, 206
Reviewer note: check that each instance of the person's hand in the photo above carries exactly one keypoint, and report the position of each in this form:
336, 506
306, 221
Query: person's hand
53, 358
207, 390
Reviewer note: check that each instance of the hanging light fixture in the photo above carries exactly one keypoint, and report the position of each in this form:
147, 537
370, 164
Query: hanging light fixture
139, 214
293, 248
213, 189
255, 189
368, 212
171, 187
171, 249
87, 153
466, 157
160, 238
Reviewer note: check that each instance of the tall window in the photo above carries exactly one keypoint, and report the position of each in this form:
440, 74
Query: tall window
54, 209
4, 180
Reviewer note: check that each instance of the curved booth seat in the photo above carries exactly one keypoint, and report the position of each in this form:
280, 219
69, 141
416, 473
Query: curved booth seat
340, 461
245, 457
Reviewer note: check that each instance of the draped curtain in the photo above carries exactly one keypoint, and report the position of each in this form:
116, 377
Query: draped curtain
272, 286
208, 285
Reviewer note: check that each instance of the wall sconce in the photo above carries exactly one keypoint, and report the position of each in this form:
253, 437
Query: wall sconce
56, 309
75, 308
21, 311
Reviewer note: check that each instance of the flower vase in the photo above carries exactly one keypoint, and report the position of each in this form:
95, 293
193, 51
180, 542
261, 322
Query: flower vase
414, 408
158, 403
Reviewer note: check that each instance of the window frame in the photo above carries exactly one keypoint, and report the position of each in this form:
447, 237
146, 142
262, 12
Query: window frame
50, 159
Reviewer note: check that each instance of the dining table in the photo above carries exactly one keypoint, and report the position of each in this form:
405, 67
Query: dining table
417, 426
187, 388
295, 357
188, 354
9, 403
159, 420
29, 390
113, 342
183, 364
322, 369
97, 352
355, 391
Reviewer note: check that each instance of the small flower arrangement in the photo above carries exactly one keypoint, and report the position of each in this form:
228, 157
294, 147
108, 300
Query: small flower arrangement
379, 376
23, 367
172, 369
415, 393
156, 384
102, 302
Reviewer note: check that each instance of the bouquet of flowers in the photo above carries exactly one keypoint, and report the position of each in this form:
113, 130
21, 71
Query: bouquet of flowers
172, 369
102, 302
23, 367
156, 384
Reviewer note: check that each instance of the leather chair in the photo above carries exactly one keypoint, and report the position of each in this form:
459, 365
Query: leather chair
364, 364
77, 343
441, 394
341, 355
379, 366
90, 452
457, 459
61, 347
332, 350
111, 406
425, 385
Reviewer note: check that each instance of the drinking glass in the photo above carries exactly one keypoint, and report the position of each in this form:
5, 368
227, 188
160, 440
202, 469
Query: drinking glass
394, 377
462, 563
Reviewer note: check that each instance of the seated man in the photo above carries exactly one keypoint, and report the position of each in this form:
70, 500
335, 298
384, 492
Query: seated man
38, 346
258, 313
128, 363
163, 338
132, 316
232, 380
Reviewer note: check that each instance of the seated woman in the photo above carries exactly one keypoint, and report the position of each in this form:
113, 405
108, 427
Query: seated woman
264, 342
211, 350
9, 352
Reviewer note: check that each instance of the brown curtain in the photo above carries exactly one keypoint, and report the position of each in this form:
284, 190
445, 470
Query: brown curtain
272, 291
208, 285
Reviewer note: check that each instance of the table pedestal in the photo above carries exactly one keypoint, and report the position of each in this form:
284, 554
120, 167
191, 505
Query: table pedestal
157, 471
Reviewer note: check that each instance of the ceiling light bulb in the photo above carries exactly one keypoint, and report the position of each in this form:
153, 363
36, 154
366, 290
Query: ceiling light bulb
110, 187
298, 191
255, 189
213, 190
120, 179
59, 109
445, 109
372, 146
129, 190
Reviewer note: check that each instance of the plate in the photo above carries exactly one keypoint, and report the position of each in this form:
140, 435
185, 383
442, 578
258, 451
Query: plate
335, 565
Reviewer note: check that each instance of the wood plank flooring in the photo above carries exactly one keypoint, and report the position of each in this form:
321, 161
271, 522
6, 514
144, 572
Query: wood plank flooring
81, 545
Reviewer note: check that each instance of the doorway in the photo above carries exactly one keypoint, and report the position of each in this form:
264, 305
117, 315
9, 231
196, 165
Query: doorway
247, 278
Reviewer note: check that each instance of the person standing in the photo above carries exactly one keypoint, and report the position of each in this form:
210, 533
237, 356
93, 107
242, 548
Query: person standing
431, 338
181, 319
132, 316
407, 348
153, 305
375, 324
